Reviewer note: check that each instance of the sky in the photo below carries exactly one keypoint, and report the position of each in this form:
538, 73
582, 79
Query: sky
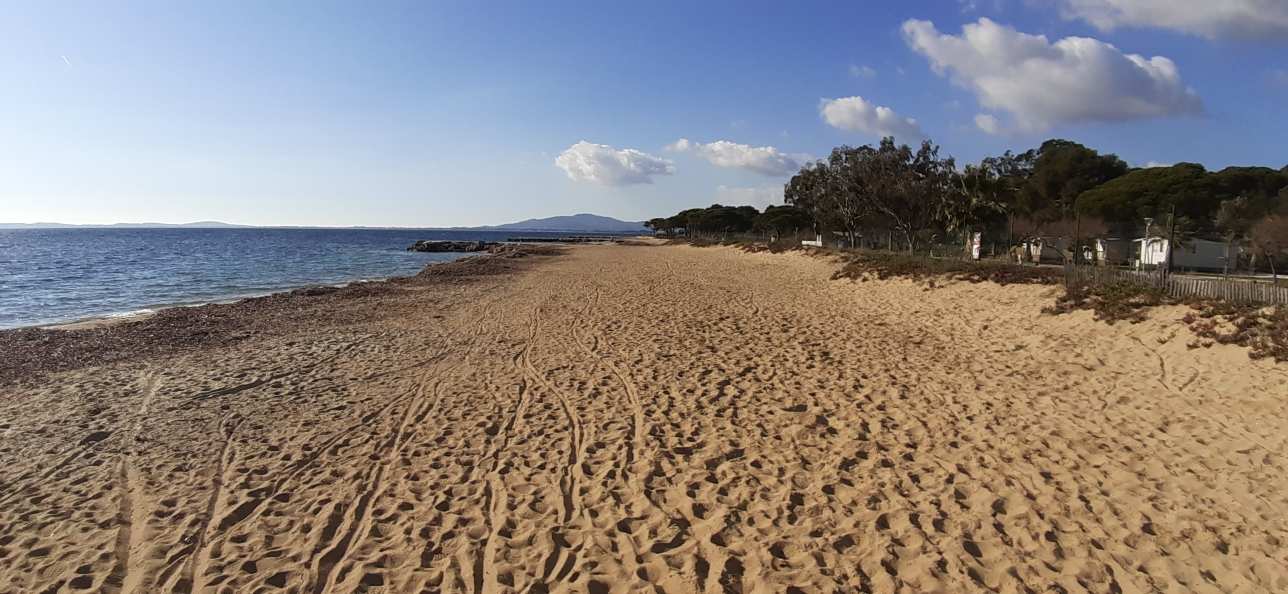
431, 114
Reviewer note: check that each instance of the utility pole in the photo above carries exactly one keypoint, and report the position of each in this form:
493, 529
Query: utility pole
1171, 236
1077, 237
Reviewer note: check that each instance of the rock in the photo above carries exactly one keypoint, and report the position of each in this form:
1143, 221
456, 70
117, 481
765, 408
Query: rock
451, 246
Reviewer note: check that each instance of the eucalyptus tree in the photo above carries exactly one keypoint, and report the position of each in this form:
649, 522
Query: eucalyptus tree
807, 191
907, 188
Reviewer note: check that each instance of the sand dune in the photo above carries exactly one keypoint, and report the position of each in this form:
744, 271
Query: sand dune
665, 419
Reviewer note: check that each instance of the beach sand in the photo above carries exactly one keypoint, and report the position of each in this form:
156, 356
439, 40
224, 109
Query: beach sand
662, 419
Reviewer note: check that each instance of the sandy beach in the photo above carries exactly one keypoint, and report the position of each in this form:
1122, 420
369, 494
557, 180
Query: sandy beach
651, 418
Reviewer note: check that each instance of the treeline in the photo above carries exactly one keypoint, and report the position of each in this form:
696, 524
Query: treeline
776, 221
911, 198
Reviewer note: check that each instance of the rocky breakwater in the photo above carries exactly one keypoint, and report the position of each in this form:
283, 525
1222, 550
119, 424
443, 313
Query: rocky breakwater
451, 246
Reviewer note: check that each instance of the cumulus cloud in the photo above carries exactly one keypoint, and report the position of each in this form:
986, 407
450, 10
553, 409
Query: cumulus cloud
1041, 84
1153, 164
759, 197
1236, 19
765, 160
680, 145
859, 115
988, 124
603, 164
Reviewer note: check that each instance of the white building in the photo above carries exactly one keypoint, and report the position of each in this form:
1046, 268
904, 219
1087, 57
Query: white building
1046, 249
1194, 254
1115, 252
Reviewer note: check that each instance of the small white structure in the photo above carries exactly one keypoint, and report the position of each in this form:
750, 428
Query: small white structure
1195, 254
817, 242
1045, 249
1114, 251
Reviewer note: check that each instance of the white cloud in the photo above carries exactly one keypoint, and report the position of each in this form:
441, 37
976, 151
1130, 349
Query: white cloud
680, 145
759, 197
765, 160
1153, 164
862, 71
603, 164
859, 115
988, 124
1075, 79
1240, 19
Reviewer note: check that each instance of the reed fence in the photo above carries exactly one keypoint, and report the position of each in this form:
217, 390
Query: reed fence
1181, 286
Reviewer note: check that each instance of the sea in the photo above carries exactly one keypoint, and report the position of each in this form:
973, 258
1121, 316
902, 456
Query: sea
50, 276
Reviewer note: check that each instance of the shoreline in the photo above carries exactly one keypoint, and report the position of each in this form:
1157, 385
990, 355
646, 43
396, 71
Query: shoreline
143, 313
31, 352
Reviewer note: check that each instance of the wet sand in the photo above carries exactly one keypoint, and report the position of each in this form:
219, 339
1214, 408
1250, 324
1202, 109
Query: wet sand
663, 419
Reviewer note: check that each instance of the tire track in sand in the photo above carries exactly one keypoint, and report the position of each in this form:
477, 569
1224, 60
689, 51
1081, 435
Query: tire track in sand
194, 572
128, 514
253, 509
562, 556
330, 569
623, 377
494, 491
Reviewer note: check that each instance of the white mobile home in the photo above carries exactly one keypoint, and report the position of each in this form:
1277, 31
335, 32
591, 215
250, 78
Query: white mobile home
1194, 254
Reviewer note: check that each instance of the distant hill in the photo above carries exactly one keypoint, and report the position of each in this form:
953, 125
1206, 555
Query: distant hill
193, 225
578, 223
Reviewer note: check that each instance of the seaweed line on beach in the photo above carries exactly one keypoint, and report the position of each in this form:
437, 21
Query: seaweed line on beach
27, 354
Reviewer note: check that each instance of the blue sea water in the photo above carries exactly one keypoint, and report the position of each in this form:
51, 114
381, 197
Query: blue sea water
59, 275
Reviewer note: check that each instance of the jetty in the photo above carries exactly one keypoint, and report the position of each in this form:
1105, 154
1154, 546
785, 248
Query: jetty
451, 246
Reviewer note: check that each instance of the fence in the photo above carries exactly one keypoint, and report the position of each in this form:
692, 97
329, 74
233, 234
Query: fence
1181, 286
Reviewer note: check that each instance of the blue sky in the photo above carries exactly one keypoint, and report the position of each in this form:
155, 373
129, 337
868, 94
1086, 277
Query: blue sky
464, 113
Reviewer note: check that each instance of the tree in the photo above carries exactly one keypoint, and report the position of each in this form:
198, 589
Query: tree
661, 225
1062, 171
981, 195
849, 188
1061, 188
907, 188
1259, 184
1269, 238
782, 220
1011, 173
716, 218
1235, 218
807, 191
1150, 192
688, 219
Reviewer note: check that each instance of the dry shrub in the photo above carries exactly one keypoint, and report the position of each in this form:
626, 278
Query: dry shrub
1113, 302
773, 247
1263, 330
882, 265
694, 241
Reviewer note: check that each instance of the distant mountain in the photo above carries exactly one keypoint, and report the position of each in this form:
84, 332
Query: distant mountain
578, 223
193, 225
